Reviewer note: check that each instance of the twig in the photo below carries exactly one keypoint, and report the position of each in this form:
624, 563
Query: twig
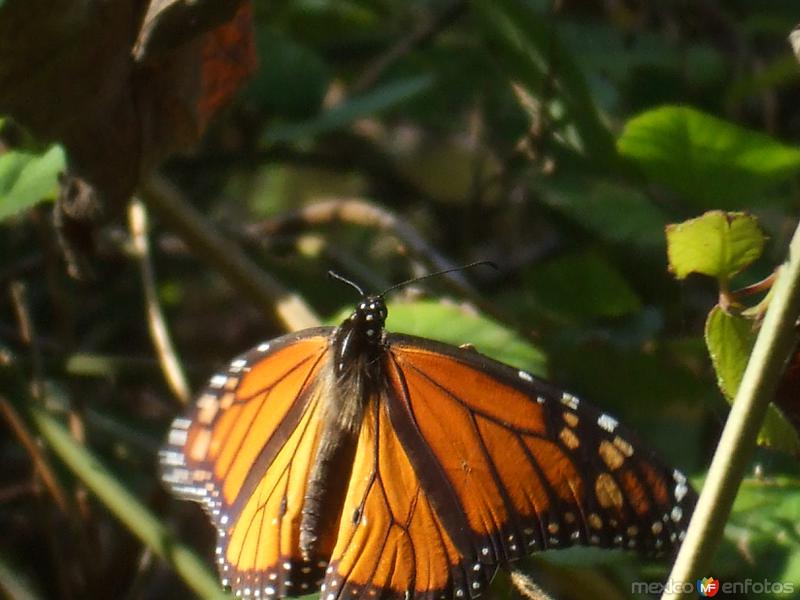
27, 331
360, 212
266, 293
527, 587
415, 39
775, 342
41, 467
159, 333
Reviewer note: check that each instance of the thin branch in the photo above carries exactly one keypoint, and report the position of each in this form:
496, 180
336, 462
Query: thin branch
41, 466
27, 331
419, 37
269, 296
357, 211
527, 587
159, 333
774, 344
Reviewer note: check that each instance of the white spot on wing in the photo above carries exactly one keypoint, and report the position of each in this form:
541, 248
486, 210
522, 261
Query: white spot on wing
526, 376
217, 381
569, 400
607, 422
237, 365
177, 437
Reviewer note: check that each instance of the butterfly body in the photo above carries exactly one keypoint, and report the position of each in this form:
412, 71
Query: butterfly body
379, 465
350, 380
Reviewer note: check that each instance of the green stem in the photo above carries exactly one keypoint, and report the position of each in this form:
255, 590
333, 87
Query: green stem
134, 515
13, 584
773, 347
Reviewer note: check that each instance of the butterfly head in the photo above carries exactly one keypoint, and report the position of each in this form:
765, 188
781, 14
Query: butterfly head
369, 318
360, 336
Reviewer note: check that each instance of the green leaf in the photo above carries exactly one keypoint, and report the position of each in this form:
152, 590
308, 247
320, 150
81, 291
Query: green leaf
457, 325
342, 115
27, 178
610, 211
716, 244
292, 79
777, 433
527, 47
761, 536
730, 341
13, 581
581, 286
707, 160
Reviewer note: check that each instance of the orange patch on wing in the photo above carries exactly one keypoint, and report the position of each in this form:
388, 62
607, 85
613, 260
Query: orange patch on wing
658, 486
474, 387
610, 455
519, 478
255, 424
389, 535
267, 529
635, 493
607, 491
266, 373
559, 470
569, 439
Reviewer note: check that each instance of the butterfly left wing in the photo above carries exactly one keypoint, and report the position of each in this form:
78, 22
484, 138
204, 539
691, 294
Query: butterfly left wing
532, 467
244, 450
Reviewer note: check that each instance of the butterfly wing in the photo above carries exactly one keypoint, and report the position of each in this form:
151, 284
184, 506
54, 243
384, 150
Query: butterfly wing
392, 543
244, 451
533, 468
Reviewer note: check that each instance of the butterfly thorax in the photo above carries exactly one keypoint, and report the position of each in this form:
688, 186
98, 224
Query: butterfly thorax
350, 382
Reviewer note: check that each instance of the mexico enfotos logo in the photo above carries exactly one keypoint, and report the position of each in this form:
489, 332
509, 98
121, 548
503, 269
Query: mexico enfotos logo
708, 587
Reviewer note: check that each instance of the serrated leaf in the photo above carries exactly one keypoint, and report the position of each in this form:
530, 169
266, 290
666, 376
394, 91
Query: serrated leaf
716, 244
27, 178
457, 325
706, 159
778, 434
730, 341
582, 286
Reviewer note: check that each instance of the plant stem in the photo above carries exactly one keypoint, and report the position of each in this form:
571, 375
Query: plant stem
159, 332
774, 344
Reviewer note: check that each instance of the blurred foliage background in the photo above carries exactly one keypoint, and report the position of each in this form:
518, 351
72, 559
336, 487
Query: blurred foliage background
383, 140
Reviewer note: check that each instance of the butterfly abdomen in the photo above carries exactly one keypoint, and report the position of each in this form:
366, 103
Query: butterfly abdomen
345, 389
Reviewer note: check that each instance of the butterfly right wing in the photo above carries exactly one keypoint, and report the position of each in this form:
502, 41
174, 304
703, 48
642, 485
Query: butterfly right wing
244, 451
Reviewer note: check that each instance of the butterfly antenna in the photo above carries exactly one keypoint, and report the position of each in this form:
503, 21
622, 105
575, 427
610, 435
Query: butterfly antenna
477, 263
333, 275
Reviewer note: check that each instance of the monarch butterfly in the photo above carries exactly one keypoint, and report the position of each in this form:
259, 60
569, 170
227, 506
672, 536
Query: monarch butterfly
370, 464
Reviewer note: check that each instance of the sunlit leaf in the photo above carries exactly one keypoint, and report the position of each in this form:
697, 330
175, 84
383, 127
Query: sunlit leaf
27, 178
716, 244
730, 340
707, 160
458, 325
